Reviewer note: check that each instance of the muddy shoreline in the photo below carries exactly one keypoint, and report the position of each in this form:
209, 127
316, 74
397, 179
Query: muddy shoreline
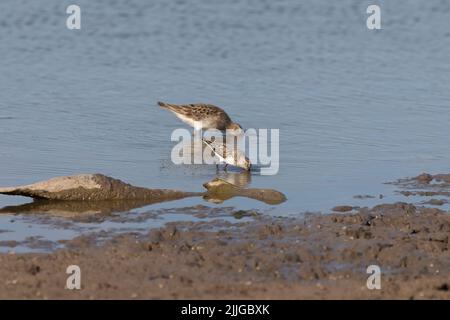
317, 256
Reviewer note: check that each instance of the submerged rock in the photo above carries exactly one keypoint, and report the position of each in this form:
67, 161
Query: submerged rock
342, 208
93, 187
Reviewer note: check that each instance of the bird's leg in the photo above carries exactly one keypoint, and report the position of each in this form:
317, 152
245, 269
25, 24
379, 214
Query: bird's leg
225, 168
196, 133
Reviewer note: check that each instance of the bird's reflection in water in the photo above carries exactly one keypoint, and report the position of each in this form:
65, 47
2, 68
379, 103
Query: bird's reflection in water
238, 179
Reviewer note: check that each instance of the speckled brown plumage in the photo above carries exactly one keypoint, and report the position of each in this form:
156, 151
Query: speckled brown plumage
212, 117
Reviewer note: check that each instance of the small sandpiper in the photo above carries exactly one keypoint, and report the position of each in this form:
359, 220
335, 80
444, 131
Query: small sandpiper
203, 116
231, 156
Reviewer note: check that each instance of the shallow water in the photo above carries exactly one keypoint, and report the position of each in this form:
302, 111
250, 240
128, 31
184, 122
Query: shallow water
355, 107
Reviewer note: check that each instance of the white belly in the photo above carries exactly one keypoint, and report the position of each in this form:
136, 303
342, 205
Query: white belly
186, 120
197, 125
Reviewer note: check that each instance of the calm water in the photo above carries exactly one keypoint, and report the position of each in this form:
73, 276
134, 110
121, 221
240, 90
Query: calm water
355, 107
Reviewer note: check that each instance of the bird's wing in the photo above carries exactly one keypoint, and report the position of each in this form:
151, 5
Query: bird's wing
218, 149
196, 111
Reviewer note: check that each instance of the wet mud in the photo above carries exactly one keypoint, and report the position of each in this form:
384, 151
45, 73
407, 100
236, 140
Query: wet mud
238, 254
316, 256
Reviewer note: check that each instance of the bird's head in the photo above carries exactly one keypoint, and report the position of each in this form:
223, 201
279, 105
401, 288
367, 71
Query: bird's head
234, 129
247, 164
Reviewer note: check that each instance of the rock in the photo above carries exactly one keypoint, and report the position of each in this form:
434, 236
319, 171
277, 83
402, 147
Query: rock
424, 178
86, 194
93, 187
244, 213
220, 190
342, 208
436, 202
363, 196
442, 178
